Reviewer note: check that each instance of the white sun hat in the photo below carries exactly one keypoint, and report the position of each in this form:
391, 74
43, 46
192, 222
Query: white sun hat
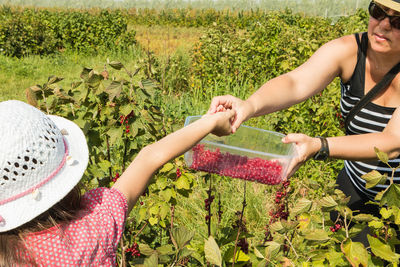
42, 158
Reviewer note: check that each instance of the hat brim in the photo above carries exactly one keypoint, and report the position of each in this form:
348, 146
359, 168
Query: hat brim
395, 5
26, 208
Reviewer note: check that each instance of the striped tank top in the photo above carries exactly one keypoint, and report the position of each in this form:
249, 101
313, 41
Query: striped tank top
372, 118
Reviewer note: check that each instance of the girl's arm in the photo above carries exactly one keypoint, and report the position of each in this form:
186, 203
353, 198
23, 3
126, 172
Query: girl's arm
134, 180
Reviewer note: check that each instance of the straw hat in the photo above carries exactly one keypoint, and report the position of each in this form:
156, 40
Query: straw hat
42, 158
392, 4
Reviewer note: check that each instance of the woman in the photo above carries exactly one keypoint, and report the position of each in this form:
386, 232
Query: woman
361, 61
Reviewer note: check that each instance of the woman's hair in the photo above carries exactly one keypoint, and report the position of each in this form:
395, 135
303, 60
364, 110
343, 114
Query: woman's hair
12, 245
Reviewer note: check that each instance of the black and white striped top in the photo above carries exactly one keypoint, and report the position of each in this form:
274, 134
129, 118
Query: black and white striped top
372, 118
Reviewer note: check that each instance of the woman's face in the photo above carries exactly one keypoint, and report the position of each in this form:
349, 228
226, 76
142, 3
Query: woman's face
383, 37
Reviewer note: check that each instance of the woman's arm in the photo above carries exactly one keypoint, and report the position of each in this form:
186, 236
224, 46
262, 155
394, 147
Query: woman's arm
333, 59
134, 180
361, 147
350, 147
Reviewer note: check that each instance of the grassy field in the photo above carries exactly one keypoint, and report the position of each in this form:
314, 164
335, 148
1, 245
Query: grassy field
18, 74
327, 8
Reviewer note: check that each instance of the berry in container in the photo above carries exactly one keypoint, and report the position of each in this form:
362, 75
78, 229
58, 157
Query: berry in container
250, 153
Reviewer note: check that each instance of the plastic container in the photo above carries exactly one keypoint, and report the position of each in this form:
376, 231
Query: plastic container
250, 153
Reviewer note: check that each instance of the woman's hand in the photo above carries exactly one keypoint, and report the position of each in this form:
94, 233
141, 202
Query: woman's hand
242, 109
306, 147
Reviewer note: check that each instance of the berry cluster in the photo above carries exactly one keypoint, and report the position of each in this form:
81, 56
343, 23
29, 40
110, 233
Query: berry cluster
134, 250
236, 166
116, 177
124, 120
178, 173
335, 228
244, 246
280, 211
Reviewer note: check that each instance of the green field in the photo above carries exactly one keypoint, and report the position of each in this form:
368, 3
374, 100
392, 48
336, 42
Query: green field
188, 66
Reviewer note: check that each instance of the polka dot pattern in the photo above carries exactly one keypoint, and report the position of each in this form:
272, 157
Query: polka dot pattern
91, 240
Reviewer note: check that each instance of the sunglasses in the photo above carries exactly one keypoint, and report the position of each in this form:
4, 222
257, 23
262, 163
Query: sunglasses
378, 13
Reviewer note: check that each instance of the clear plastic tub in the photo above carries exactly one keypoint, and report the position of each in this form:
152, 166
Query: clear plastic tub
250, 153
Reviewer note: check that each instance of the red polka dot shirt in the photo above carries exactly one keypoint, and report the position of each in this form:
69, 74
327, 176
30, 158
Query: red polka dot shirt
89, 241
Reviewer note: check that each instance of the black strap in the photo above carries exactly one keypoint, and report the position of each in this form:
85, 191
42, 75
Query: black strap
372, 93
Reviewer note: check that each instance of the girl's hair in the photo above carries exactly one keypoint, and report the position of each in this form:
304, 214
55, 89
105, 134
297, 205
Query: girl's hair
12, 246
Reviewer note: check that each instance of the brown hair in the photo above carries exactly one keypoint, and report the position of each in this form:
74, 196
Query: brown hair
12, 246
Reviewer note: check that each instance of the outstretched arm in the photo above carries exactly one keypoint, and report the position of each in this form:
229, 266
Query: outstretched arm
134, 180
333, 59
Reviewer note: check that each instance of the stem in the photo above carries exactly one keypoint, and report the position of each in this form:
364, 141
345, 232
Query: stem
346, 225
123, 259
209, 210
141, 229
290, 244
124, 156
172, 216
109, 157
240, 224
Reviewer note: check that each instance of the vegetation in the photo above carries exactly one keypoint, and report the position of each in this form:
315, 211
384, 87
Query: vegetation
128, 97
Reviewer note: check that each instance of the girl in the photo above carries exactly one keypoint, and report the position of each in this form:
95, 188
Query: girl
43, 219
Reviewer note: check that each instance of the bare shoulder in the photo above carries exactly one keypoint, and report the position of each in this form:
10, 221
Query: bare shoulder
343, 50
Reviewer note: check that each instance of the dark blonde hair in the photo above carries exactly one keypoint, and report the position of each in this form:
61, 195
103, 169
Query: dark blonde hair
12, 245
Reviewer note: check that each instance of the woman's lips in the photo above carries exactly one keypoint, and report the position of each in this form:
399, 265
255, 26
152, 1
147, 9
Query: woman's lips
380, 37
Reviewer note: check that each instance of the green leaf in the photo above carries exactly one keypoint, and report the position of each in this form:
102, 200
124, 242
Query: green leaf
302, 205
212, 251
182, 183
154, 210
382, 250
386, 213
126, 109
153, 220
335, 258
85, 73
258, 254
382, 156
54, 79
363, 217
104, 165
151, 261
271, 250
114, 90
115, 134
355, 253
181, 237
373, 178
164, 210
116, 65
396, 213
167, 194
142, 213
165, 250
391, 196
304, 220
376, 224
145, 249
277, 227
317, 235
239, 257
328, 203
162, 182
167, 167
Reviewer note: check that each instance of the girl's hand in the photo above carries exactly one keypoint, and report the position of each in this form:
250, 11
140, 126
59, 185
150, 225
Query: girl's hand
223, 121
242, 109
306, 147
